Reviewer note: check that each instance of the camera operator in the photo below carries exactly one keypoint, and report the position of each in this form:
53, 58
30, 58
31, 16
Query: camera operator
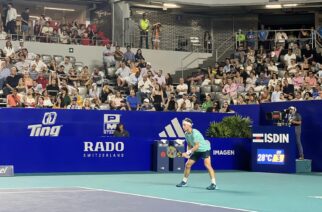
295, 119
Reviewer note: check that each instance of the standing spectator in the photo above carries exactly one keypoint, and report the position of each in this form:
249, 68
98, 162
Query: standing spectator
262, 36
37, 28
281, 38
240, 38
46, 32
251, 38
156, 29
160, 79
25, 22
207, 42
108, 57
4, 13
157, 98
144, 26
11, 19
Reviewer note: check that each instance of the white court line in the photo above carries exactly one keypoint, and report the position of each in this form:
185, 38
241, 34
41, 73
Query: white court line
166, 199
316, 197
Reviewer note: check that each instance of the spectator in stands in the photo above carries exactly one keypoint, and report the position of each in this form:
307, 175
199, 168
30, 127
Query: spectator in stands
160, 79
307, 96
305, 66
11, 81
29, 99
251, 81
261, 82
61, 73
11, 19
4, 73
251, 38
138, 55
65, 98
132, 101
73, 79
240, 100
207, 103
8, 50
40, 65
226, 108
13, 99
144, 87
22, 65
171, 103
144, 26
42, 80
186, 101
75, 38
105, 94
291, 68
230, 89
288, 57
123, 74
66, 63
311, 80
228, 66
37, 28
55, 38
272, 67
298, 96
118, 56
156, 30
288, 89
33, 72
73, 104
262, 37
64, 37
84, 76
157, 98
304, 37
129, 55
46, 32
182, 88
25, 21
120, 131
97, 77
168, 79
276, 94
297, 51
308, 53
319, 97
281, 38
298, 79
146, 106
273, 81
52, 87
47, 100
108, 57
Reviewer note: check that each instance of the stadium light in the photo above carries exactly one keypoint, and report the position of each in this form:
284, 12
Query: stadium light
273, 6
59, 9
170, 5
290, 5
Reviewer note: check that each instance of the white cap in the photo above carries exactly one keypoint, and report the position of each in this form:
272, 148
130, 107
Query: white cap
146, 100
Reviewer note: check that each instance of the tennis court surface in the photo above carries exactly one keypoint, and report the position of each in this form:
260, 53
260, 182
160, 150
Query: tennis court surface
238, 191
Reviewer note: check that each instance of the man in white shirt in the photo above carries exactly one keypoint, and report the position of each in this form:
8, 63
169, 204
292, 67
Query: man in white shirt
160, 79
145, 87
123, 74
40, 65
11, 19
186, 100
288, 57
66, 63
108, 56
182, 88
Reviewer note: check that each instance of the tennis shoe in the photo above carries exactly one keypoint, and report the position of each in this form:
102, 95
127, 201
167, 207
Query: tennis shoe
211, 187
181, 184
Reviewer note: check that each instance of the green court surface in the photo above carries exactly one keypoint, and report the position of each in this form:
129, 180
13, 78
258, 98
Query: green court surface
241, 190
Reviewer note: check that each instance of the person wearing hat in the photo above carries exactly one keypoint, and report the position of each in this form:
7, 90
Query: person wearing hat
73, 104
197, 148
147, 106
295, 119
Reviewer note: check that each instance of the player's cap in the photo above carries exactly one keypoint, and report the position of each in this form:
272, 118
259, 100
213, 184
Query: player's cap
146, 100
187, 121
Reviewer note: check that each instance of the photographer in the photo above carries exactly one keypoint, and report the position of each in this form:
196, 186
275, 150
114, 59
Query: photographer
295, 119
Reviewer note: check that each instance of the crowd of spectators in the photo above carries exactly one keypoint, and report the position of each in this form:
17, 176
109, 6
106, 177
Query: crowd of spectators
128, 82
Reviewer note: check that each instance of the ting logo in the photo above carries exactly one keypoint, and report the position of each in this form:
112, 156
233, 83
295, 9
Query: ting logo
110, 123
47, 128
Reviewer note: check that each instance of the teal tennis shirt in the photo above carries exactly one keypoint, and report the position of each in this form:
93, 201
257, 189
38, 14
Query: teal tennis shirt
197, 137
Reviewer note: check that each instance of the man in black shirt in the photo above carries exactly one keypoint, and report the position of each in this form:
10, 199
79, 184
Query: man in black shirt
295, 120
288, 89
11, 81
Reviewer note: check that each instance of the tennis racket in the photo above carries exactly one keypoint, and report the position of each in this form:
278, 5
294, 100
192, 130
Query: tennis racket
173, 152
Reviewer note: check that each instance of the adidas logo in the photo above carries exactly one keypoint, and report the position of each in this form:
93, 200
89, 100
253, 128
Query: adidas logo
173, 130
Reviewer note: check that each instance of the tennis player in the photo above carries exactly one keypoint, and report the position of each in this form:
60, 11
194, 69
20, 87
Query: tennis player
197, 148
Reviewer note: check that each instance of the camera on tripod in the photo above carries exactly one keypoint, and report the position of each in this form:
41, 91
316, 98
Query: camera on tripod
279, 118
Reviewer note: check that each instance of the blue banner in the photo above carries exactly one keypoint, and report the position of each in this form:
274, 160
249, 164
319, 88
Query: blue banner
39, 140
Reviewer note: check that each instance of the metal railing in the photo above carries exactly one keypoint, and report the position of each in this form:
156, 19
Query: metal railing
225, 46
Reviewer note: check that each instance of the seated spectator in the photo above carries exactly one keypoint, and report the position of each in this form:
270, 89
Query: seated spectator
273, 81
129, 55
182, 88
8, 50
251, 81
311, 79
120, 131
73, 104
146, 106
33, 72
240, 100
108, 57
98, 77
117, 100
84, 76
94, 91
308, 96
65, 98
40, 102
11, 81
225, 108
298, 96
106, 94
186, 100
171, 103
4, 73
230, 89
144, 87
132, 101
160, 79
261, 82
288, 57
291, 68
276, 94
208, 103
47, 100
42, 80
13, 99
36, 87
123, 74
46, 32
183, 108
305, 66
252, 99
308, 53
40, 65
138, 56
73, 78
29, 99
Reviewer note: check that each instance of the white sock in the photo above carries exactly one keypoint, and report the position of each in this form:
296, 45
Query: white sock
185, 179
213, 180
